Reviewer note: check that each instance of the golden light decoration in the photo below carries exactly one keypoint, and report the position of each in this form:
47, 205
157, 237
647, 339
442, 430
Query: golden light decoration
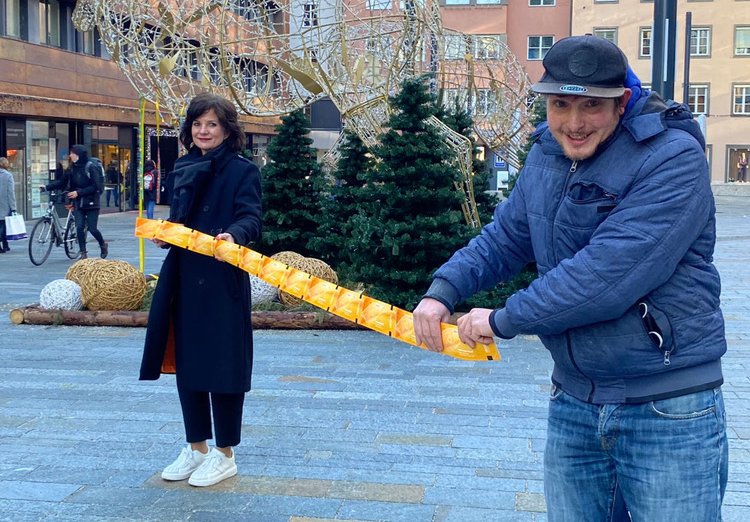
274, 56
353, 306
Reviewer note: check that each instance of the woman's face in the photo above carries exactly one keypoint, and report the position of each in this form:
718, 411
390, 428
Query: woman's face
207, 132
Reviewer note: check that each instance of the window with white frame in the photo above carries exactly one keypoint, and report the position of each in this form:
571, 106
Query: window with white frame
310, 15
187, 62
539, 3
644, 42
88, 42
455, 46
12, 18
538, 46
488, 46
608, 33
215, 67
374, 5
486, 2
485, 102
247, 9
457, 2
742, 40
700, 41
741, 104
698, 99
49, 22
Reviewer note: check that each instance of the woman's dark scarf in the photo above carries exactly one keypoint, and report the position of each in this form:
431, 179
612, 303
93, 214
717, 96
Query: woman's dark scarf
192, 173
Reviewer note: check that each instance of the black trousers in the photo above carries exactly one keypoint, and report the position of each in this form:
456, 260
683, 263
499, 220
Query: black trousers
88, 218
197, 407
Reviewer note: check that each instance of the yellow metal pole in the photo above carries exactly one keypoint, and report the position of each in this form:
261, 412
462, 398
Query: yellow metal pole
141, 153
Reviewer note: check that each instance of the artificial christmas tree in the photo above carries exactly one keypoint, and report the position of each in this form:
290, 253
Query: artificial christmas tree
292, 185
411, 220
342, 202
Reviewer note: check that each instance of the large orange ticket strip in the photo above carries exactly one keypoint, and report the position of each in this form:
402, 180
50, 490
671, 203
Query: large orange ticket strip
353, 306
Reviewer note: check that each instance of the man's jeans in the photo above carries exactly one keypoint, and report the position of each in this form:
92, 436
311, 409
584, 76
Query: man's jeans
668, 459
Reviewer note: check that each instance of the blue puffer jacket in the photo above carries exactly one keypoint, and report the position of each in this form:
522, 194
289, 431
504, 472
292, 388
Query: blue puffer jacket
626, 233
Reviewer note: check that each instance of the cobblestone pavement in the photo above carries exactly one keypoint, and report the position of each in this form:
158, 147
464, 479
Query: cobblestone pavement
346, 426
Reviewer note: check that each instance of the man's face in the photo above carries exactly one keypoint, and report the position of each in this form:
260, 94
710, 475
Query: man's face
580, 123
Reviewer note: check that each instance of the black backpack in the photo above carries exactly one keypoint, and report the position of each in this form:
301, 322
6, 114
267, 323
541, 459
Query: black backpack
95, 171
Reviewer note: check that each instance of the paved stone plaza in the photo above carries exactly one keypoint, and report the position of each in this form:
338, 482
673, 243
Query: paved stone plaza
340, 425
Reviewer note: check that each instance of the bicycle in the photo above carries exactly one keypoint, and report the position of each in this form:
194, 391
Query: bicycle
51, 230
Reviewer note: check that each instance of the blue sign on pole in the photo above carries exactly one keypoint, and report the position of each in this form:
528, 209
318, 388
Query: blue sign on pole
500, 163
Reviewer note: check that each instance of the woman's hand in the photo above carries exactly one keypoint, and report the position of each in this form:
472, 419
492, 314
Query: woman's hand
224, 237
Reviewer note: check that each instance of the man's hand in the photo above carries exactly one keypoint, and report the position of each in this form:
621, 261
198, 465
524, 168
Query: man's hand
474, 327
428, 315
73, 194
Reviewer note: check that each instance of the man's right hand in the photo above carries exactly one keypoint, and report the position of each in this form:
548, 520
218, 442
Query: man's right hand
428, 315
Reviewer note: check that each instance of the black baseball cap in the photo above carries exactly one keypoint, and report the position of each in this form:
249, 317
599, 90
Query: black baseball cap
583, 66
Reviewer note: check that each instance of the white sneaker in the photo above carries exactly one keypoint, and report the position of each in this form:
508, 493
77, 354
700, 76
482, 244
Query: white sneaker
188, 461
215, 468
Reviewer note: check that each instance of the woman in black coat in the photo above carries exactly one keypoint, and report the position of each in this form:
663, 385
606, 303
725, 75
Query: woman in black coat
200, 313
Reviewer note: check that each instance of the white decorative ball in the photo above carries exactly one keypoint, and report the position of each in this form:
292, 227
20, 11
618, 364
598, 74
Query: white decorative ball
262, 292
61, 294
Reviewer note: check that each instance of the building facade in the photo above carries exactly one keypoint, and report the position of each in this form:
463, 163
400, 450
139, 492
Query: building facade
59, 87
718, 85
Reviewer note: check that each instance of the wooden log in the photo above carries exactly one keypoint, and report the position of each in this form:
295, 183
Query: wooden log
279, 320
262, 320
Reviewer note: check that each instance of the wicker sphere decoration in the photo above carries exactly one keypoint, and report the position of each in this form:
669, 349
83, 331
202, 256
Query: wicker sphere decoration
288, 257
109, 285
262, 292
312, 266
61, 294
78, 269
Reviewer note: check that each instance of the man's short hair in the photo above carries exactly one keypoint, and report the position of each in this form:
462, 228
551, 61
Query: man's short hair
583, 66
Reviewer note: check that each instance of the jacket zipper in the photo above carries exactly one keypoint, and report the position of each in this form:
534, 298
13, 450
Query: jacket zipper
571, 171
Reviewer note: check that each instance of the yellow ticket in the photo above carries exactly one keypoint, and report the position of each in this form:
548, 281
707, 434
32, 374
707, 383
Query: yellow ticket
354, 306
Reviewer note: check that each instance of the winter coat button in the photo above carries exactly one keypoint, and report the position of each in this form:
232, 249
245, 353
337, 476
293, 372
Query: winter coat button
205, 209
201, 281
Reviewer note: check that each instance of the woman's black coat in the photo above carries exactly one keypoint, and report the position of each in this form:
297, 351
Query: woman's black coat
207, 301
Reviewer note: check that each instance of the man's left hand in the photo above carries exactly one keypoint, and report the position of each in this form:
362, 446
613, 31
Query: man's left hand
474, 327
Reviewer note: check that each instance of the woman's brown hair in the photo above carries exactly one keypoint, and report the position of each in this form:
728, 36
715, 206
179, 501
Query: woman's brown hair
225, 111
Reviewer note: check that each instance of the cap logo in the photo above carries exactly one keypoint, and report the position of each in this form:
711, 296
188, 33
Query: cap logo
573, 89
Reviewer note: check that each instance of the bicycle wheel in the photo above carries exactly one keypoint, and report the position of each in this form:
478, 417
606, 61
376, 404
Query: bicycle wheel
72, 250
41, 240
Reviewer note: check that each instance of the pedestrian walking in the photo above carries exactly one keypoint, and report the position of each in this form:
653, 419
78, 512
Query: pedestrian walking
199, 322
114, 179
614, 205
7, 201
149, 187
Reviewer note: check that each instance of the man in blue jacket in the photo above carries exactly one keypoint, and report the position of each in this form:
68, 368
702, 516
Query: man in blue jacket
614, 205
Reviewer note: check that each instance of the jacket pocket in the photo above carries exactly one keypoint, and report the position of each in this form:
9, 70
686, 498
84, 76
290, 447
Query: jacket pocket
615, 349
584, 208
658, 328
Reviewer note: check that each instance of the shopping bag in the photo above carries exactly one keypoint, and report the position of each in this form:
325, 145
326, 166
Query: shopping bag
15, 227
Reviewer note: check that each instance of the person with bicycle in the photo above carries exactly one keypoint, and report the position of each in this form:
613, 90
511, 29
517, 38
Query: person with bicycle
83, 190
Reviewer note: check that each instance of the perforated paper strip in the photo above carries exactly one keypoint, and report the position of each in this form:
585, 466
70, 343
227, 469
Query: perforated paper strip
353, 306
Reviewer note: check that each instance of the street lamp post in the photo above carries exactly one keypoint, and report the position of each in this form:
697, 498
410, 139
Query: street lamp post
664, 48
